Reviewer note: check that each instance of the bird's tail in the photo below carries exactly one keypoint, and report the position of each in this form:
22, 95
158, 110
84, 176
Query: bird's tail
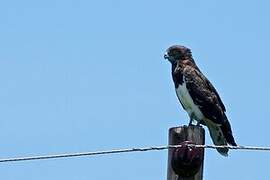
227, 132
217, 136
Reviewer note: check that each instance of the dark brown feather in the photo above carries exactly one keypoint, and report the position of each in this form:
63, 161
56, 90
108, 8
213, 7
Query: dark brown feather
204, 95
200, 89
202, 92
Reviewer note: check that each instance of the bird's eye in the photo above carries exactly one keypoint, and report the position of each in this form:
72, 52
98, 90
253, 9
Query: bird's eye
171, 53
175, 53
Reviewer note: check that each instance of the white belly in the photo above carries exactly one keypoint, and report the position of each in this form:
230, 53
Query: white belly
185, 98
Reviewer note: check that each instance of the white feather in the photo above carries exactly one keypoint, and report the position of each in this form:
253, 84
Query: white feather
185, 98
194, 112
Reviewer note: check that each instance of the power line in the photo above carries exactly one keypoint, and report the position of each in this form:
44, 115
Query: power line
118, 151
94, 153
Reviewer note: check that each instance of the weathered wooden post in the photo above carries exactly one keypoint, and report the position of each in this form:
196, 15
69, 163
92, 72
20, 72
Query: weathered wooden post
186, 162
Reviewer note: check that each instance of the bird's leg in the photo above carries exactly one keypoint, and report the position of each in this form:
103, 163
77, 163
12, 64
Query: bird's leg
190, 121
198, 123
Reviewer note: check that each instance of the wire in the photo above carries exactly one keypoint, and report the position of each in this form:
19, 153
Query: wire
55, 156
251, 148
118, 151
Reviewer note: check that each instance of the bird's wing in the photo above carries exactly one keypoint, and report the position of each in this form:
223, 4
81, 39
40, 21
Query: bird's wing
204, 95
216, 93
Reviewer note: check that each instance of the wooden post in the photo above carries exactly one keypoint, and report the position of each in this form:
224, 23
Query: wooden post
186, 161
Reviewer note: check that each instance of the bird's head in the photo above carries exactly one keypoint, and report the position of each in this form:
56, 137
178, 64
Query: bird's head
177, 53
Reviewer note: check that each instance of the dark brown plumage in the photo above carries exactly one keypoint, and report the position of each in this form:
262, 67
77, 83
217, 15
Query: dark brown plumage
206, 106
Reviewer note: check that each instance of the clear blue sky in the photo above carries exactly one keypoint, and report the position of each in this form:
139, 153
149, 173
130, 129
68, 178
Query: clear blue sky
90, 75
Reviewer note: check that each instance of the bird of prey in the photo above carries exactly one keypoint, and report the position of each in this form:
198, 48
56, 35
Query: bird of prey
199, 97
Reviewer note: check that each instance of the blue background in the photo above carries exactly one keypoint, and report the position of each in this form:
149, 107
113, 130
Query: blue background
79, 75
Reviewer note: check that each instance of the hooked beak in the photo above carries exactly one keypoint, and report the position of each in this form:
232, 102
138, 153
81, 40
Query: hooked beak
166, 56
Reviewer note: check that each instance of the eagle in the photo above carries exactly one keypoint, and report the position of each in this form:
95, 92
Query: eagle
199, 97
